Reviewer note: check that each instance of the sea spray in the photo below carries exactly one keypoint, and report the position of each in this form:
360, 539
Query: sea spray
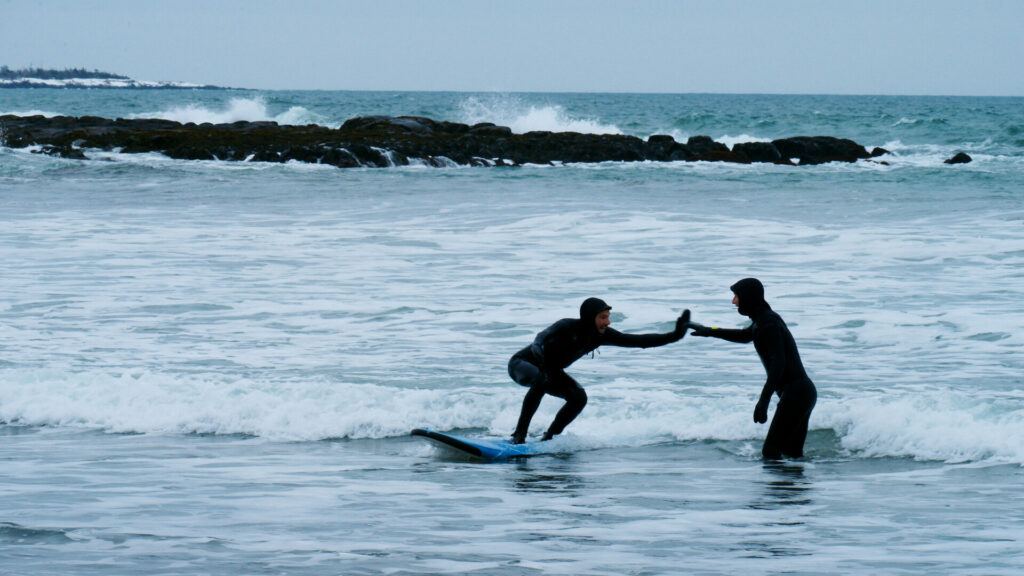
248, 109
521, 117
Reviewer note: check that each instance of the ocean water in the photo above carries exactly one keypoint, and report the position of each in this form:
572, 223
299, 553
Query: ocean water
213, 368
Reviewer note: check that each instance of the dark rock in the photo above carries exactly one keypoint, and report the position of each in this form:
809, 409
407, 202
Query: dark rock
959, 158
369, 156
361, 123
699, 145
876, 152
380, 141
820, 149
488, 129
661, 147
415, 124
453, 127
760, 152
661, 140
62, 152
419, 125
339, 157
703, 148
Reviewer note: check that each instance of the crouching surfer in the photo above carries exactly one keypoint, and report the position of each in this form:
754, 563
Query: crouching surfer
786, 376
541, 365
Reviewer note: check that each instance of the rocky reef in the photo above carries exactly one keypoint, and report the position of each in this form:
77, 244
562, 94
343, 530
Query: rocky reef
380, 141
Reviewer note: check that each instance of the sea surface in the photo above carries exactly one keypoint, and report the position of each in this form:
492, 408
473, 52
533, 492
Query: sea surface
213, 368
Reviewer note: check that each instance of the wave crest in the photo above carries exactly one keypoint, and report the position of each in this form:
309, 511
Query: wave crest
933, 424
522, 118
237, 109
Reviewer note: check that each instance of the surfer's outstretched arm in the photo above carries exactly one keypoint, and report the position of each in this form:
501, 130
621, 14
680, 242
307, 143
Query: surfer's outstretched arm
739, 336
616, 338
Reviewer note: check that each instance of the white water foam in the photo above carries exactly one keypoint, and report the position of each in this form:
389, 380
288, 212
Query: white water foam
944, 425
238, 109
731, 141
927, 155
213, 315
147, 402
939, 425
27, 113
521, 117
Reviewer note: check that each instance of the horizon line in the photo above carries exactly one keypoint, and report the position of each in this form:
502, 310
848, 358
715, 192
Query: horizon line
465, 91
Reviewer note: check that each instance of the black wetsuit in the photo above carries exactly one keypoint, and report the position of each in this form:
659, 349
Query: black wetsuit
786, 377
541, 365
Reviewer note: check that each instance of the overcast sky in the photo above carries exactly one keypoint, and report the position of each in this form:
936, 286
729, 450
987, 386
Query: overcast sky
941, 47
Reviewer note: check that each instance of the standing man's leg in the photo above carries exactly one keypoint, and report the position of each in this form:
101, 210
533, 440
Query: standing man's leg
801, 420
563, 386
771, 450
526, 374
788, 429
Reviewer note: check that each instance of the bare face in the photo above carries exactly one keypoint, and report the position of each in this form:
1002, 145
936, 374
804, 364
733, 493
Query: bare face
602, 321
735, 300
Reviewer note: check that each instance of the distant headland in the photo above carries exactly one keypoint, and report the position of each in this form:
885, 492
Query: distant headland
82, 78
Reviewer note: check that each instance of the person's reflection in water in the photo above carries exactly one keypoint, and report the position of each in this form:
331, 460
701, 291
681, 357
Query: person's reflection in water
786, 485
779, 531
555, 477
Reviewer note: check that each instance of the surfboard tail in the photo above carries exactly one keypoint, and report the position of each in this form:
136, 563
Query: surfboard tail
454, 442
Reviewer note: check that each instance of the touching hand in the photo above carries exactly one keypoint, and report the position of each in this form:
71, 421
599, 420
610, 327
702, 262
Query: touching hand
700, 329
682, 323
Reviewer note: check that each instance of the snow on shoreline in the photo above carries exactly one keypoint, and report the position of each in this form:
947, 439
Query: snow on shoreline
26, 82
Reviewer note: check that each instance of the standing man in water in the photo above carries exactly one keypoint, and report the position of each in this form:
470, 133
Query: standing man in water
541, 365
781, 360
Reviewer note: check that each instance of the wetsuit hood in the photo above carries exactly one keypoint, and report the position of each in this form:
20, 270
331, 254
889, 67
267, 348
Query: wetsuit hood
750, 292
589, 310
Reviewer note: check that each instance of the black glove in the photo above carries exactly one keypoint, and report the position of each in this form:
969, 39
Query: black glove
761, 412
700, 329
682, 323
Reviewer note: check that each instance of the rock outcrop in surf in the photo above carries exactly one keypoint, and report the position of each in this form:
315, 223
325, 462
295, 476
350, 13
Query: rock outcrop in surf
379, 141
959, 158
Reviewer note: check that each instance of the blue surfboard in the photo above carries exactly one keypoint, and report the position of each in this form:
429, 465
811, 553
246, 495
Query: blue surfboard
483, 448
